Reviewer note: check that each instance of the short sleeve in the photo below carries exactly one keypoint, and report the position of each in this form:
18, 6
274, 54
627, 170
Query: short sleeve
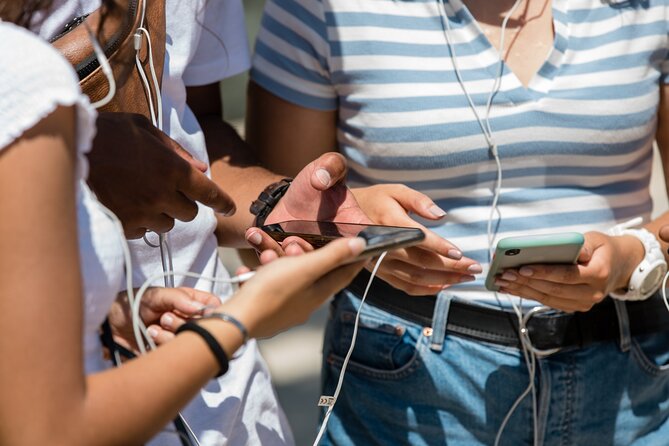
34, 80
292, 52
222, 50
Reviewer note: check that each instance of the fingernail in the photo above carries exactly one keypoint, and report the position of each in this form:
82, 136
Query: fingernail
195, 307
437, 211
323, 176
501, 283
255, 238
508, 275
475, 269
357, 245
464, 279
454, 254
525, 271
167, 320
152, 332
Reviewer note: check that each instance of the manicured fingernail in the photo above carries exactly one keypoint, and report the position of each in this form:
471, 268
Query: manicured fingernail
475, 269
508, 275
152, 332
454, 254
437, 211
323, 176
526, 271
255, 238
167, 320
500, 282
357, 245
464, 279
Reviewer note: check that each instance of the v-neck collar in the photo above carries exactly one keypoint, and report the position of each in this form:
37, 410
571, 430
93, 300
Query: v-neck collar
542, 81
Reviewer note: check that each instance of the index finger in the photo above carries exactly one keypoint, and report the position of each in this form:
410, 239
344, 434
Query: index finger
567, 274
198, 187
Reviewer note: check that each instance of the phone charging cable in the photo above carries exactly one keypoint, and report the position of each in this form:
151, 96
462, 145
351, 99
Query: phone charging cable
329, 401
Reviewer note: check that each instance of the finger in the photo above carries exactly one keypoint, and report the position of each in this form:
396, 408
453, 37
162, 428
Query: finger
423, 276
553, 289
268, 256
425, 258
242, 270
198, 187
326, 171
565, 274
417, 202
293, 249
171, 321
189, 302
336, 253
183, 153
180, 207
664, 233
261, 241
550, 301
409, 288
159, 335
304, 245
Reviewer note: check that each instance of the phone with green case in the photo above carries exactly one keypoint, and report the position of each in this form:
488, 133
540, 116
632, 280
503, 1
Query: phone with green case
513, 252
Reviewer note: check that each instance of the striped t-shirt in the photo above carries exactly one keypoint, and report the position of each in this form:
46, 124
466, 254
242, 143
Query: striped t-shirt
575, 145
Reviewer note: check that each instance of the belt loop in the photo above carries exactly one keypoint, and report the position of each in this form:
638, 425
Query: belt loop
623, 325
439, 321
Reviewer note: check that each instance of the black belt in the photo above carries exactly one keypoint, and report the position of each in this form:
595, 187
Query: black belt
546, 330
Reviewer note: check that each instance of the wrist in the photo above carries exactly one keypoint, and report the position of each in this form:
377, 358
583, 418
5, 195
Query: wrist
631, 252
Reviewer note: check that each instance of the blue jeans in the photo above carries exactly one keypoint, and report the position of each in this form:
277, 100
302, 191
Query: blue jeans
397, 390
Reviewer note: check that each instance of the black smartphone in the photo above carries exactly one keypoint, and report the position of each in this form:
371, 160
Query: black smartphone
319, 233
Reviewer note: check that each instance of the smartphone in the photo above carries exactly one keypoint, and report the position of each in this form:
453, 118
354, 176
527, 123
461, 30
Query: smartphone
319, 233
513, 252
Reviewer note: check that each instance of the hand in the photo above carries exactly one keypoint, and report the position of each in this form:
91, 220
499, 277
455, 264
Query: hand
604, 265
162, 310
428, 267
318, 192
285, 292
146, 178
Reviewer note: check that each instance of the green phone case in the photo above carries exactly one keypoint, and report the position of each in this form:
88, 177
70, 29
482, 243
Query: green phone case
512, 252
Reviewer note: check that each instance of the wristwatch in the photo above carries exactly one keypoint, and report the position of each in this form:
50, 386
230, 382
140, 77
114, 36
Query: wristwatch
268, 198
647, 276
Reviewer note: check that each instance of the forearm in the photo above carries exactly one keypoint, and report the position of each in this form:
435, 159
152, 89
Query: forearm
235, 170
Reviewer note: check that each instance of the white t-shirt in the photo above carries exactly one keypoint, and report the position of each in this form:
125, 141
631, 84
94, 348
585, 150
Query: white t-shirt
34, 81
206, 42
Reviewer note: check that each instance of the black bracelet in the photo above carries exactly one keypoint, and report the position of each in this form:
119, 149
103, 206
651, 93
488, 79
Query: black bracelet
212, 343
268, 198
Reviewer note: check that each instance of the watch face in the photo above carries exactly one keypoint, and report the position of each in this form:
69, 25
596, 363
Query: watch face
652, 279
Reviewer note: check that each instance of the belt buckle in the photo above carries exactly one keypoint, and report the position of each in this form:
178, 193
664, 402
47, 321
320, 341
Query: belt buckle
525, 333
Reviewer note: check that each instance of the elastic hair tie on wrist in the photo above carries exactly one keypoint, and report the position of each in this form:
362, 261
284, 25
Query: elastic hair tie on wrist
212, 343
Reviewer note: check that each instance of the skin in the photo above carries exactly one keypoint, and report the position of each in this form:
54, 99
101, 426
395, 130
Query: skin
73, 409
147, 179
605, 264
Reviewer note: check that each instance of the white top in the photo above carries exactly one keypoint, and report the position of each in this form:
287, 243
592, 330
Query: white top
28, 93
206, 42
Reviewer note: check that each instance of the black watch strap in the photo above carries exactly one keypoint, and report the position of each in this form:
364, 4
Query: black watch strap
268, 198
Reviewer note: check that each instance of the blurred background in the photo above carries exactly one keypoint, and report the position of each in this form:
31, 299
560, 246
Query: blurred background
294, 357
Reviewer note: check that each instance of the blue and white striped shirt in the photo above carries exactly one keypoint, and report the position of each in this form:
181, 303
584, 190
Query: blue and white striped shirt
575, 145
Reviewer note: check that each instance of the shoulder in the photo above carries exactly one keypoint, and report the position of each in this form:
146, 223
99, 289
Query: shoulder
34, 80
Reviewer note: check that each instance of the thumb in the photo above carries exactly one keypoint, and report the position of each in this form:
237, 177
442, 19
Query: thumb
327, 170
418, 203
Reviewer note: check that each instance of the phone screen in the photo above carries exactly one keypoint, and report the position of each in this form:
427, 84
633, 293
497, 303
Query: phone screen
318, 233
